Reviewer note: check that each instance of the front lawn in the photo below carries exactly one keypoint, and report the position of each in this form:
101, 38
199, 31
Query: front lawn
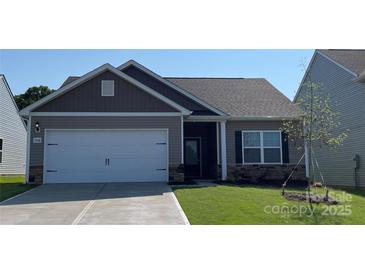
11, 179
11, 186
230, 204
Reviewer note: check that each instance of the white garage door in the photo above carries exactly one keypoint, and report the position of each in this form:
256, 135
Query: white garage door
86, 156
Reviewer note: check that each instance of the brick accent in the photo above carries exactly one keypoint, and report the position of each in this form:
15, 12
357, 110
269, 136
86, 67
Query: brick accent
36, 174
257, 173
176, 173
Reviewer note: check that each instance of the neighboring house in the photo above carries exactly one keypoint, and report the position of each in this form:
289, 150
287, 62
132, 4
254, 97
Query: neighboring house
130, 124
13, 134
342, 73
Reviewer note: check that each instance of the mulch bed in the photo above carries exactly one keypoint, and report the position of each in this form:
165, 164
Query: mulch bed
304, 197
264, 183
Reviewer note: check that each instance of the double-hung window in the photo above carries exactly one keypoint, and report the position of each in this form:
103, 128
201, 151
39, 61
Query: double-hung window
261, 147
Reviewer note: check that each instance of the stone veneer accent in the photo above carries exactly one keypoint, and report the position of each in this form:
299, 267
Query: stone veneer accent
257, 173
36, 174
176, 173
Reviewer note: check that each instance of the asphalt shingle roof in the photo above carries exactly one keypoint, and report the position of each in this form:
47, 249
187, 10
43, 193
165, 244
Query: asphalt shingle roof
250, 97
353, 60
69, 79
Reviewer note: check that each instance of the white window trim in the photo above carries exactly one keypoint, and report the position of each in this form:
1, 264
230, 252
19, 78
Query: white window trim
261, 147
102, 88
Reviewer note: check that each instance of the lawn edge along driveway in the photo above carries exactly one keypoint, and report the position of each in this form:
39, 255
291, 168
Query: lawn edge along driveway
11, 186
255, 205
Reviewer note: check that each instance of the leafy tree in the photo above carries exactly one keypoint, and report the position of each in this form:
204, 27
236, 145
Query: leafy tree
31, 95
318, 123
318, 126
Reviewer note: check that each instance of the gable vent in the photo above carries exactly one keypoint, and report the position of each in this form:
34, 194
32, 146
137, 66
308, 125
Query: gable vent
107, 88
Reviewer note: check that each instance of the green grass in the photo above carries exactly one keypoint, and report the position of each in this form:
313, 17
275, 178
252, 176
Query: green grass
11, 186
11, 179
229, 204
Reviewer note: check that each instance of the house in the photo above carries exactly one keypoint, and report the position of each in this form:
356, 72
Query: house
13, 134
342, 74
130, 124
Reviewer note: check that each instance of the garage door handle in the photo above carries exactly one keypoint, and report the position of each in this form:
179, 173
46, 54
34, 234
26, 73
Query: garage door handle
160, 168
160, 143
51, 170
106, 161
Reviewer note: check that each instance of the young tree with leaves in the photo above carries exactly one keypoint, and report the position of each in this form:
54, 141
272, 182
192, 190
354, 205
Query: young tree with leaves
318, 123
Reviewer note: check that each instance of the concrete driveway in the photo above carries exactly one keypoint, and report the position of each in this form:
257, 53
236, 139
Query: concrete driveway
89, 204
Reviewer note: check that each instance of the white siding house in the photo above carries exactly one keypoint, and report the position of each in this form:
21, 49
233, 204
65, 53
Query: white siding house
12, 134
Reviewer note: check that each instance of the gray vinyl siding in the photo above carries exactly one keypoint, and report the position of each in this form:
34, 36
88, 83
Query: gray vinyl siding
232, 126
13, 133
173, 124
87, 98
348, 99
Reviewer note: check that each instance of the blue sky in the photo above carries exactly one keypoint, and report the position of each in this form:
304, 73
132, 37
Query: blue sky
26, 68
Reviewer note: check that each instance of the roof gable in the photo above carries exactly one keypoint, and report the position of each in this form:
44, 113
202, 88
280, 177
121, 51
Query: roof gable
168, 89
238, 97
87, 98
7, 92
345, 59
92, 74
353, 60
69, 80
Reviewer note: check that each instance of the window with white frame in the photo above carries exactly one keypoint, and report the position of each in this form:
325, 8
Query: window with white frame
261, 147
107, 88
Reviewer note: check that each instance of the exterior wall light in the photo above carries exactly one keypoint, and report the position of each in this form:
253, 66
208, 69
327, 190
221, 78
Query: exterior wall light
37, 127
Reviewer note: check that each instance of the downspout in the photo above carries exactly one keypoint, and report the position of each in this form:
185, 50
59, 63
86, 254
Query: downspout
356, 169
27, 162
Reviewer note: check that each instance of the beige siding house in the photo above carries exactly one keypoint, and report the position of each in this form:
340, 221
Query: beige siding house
342, 74
130, 124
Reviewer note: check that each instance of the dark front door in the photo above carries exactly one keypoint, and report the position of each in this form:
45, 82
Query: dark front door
192, 157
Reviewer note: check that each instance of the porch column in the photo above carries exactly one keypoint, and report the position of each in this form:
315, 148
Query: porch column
182, 139
223, 150
27, 159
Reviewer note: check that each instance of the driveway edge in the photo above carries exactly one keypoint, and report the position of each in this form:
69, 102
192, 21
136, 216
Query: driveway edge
13, 197
181, 211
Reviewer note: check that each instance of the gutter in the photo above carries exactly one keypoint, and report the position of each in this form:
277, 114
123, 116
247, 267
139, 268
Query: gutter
238, 118
261, 118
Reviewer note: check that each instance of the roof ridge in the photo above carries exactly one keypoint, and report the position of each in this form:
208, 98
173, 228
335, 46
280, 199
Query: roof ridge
188, 77
344, 49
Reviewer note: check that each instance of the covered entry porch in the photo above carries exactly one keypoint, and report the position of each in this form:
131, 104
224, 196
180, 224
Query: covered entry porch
203, 147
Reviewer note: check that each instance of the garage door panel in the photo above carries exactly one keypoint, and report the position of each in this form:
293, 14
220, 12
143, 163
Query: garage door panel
80, 155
